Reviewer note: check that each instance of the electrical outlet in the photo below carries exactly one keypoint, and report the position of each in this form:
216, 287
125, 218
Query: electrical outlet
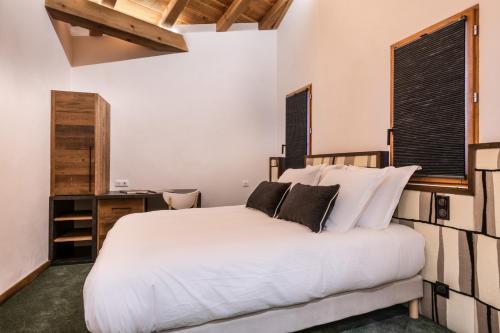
443, 207
442, 289
245, 183
121, 182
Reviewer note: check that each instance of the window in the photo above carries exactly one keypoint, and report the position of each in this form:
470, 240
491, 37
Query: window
298, 127
434, 104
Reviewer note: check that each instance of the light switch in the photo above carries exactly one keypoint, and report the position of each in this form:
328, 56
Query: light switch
121, 182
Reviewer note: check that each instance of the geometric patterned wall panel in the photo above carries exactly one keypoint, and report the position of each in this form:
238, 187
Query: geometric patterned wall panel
487, 201
487, 274
463, 252
488, 159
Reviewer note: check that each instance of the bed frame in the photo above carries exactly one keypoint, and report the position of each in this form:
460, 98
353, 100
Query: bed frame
334, 307
318, 312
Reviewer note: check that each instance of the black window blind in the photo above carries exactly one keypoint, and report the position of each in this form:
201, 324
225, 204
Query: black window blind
296, 129
429, 119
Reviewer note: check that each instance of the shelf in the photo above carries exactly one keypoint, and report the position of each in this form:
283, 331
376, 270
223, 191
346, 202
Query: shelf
67, 253
72, 260
76, 216
73, 197
77, 235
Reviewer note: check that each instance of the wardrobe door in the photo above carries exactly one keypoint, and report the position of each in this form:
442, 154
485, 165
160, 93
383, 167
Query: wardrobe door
73, 149
102, 147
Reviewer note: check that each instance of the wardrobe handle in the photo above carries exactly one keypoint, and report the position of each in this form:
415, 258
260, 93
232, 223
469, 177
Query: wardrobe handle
90, 169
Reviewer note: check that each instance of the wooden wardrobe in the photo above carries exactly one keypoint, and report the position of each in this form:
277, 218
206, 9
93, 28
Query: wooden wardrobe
80, 144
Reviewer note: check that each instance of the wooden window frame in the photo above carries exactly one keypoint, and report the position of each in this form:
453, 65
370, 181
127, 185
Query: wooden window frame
307, 88
443, 184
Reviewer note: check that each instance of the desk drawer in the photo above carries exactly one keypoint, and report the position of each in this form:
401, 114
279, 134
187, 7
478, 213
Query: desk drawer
111, 210
116, 208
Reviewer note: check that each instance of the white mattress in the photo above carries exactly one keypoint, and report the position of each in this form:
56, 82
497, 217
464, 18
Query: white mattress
170, 269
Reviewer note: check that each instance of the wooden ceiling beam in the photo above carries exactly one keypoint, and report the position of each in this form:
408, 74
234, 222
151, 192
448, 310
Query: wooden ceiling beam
172, 12
139, 10
275, 15
195, 12
95, 33
236, 8
93, 16
108, 3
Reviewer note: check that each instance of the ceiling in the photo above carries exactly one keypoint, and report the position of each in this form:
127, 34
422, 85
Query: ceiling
148, 23
195, 12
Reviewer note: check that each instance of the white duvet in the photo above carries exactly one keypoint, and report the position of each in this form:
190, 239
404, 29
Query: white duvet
168, 269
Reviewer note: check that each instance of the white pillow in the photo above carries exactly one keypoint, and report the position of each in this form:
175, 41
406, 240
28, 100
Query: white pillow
325, 168
379, 211
307, 176
356, 189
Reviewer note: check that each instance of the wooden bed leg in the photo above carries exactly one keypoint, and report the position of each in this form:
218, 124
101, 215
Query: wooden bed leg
413, 309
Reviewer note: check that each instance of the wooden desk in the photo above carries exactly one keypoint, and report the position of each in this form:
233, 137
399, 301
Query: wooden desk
114, 205
152, 201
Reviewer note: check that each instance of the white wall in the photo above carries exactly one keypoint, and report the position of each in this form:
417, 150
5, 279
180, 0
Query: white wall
202, 119
343, 48
32, 63
298, 55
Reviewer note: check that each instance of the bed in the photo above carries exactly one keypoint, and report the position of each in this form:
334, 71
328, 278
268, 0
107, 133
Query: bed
177, 270
235, 269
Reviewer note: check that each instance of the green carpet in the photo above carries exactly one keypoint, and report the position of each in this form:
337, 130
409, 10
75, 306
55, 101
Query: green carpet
53, 304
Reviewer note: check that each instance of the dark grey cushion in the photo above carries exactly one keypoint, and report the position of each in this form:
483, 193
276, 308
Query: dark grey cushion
268, 197
309, 205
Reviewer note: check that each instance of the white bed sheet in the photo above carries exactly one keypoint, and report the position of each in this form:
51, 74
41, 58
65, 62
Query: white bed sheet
169, 269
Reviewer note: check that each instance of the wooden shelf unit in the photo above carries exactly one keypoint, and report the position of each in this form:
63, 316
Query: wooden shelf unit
80, 164
73, 229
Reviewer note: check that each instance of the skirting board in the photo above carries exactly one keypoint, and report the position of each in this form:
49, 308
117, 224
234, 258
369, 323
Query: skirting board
23, 282
318, 312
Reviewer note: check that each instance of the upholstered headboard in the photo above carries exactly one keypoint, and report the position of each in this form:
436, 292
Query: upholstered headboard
370, 159
367, 159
